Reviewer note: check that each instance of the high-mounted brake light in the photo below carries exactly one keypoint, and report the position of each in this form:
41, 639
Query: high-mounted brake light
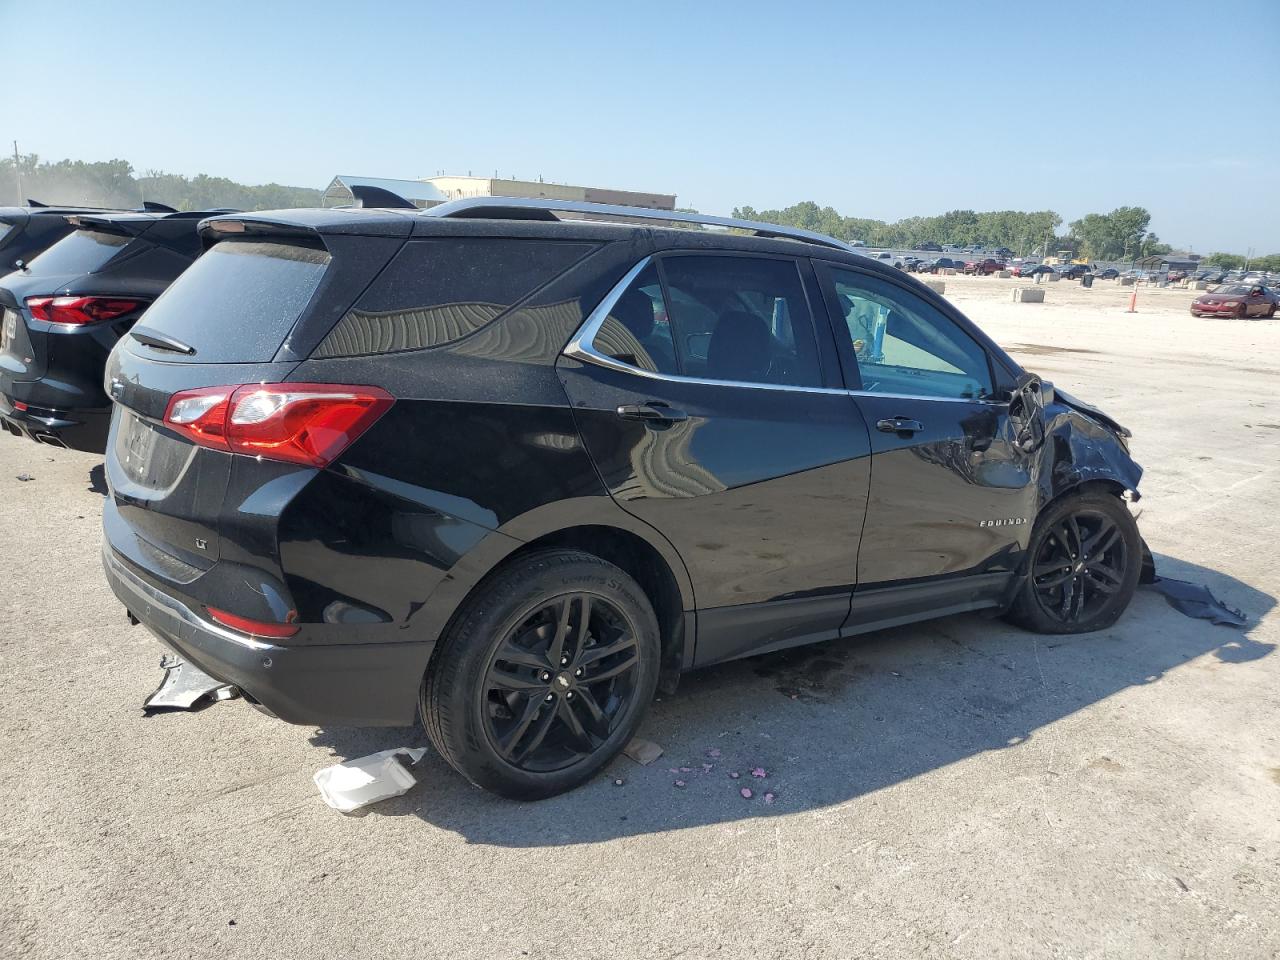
257, 628
306, 423
81, 310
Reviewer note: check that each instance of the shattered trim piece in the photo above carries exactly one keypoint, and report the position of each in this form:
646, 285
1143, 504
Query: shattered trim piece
184, 687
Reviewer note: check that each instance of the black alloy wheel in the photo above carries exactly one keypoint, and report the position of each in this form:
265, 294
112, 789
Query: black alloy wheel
1084, 558
1079, 567
544, 675
559, 681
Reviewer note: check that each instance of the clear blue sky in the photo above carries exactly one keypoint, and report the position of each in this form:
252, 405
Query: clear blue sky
880, 109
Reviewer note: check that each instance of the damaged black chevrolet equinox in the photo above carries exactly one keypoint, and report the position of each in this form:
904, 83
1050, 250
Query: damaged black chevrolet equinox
516, 470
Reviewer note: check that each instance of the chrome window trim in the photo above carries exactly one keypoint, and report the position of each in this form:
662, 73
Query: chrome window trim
580, 348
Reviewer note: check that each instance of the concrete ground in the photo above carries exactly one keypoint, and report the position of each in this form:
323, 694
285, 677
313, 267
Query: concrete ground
955, 789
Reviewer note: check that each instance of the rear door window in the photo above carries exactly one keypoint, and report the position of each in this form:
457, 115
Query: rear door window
637, 331
238, 302
79, 252
741, 319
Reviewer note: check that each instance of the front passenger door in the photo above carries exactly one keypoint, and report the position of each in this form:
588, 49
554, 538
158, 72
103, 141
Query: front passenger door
951, 500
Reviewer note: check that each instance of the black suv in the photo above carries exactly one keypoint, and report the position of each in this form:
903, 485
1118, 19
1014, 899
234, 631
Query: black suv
26, 231
61, 314
515, 472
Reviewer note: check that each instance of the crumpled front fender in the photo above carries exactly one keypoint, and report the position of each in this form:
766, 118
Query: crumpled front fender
1082, 445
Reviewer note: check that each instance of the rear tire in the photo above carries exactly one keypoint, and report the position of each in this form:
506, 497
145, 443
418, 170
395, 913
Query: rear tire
1083, 564
1242, 312
544, 676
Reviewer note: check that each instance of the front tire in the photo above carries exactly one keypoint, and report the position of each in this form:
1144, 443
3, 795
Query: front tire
544, 676
1083, 564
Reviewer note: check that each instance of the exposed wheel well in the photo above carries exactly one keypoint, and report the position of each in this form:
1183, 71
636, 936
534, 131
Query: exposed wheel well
646, 566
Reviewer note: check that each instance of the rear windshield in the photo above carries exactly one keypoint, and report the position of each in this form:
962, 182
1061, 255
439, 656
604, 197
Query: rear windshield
238, 302
80, 251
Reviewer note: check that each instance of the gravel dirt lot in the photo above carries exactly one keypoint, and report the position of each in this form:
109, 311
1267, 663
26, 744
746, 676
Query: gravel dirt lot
954, 789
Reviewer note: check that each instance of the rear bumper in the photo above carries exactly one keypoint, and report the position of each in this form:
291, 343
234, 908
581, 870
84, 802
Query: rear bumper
359, 684
80, 430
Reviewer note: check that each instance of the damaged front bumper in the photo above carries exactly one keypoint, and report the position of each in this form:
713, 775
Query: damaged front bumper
357, 684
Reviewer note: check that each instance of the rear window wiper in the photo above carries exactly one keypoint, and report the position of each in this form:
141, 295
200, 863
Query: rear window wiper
160, 341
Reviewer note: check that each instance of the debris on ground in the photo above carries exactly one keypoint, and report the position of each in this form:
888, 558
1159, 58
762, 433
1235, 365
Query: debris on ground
357, 783
185, 687
643, 752
1196, 600
24, 477
759, 773
618, 782
734, 775
713, 753
746, 793
679, 783
768, 798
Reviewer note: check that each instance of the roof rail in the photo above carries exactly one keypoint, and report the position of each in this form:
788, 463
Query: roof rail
530, 208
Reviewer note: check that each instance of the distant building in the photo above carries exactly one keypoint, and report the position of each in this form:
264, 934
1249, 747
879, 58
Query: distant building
420, 194
457, 188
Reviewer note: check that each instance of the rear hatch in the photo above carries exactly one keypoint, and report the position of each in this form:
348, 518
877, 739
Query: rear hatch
203, 520
23, 345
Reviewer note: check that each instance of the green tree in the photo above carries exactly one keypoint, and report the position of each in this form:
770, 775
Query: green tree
112, 183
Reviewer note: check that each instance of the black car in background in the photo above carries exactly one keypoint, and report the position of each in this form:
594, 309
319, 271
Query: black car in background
61, 315
26, 231
941, 263
1110, 273
515, 472
930, 246
1074, 271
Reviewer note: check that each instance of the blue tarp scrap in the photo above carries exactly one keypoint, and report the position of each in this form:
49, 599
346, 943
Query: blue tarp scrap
1196, 600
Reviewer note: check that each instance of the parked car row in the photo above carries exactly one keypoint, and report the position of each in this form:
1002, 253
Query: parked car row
512, 472
63, 312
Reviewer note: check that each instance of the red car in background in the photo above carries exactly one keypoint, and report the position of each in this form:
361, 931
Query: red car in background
1236, 300
984, 267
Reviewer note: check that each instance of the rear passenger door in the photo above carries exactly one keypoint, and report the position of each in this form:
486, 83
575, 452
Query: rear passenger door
713, 408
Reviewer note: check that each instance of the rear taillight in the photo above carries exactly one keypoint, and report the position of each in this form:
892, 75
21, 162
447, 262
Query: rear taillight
306, 423
256, 628
81, 310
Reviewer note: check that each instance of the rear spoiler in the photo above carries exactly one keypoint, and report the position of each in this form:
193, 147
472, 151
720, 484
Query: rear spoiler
378, 197
120, 227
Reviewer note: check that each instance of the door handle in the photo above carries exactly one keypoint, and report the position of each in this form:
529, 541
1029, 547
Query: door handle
899, 425
653, 411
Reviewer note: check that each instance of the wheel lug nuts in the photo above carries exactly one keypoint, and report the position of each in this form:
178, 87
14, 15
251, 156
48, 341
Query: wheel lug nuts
564, 661
569, 695
578, 672
550, 697
546, 675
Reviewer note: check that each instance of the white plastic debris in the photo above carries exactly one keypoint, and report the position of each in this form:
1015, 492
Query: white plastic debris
357, 783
